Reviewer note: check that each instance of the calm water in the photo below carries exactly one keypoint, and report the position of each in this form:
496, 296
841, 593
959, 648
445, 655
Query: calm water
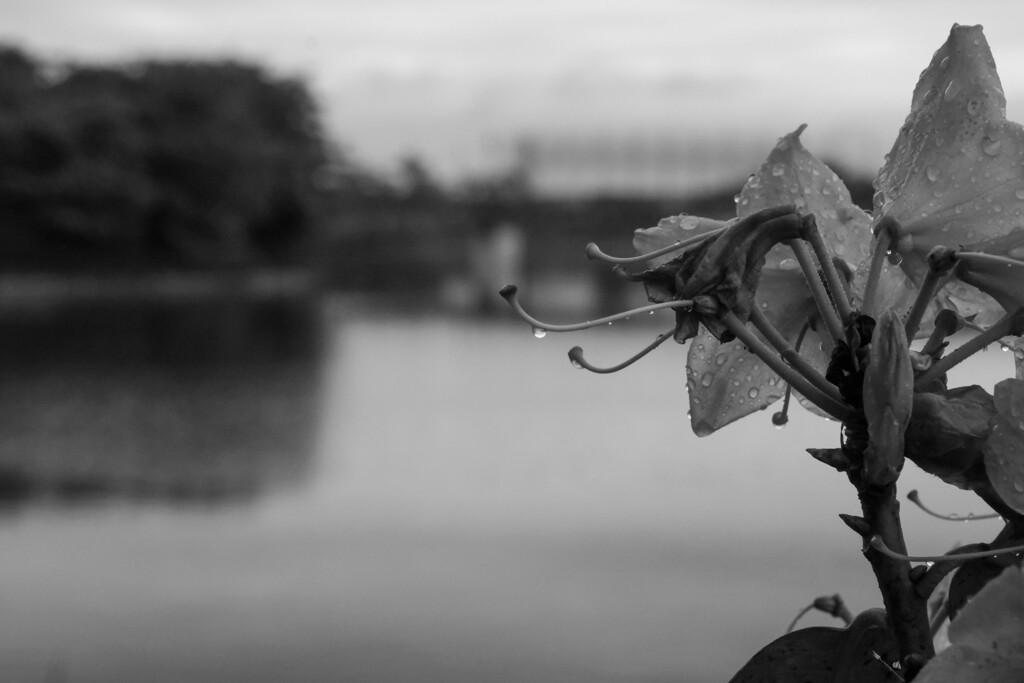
327, 494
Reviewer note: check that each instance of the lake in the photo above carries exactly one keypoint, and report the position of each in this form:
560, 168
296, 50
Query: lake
332, 492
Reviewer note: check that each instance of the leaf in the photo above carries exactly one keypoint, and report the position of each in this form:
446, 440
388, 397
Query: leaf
987, 637
860, 653
726, 382
1004, 448
947, 432
968, 580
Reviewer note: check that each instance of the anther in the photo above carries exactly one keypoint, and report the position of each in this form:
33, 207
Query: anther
578, 361
510, 292
915, 498
878, 544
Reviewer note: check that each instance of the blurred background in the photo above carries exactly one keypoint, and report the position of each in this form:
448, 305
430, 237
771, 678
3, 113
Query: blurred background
262, 414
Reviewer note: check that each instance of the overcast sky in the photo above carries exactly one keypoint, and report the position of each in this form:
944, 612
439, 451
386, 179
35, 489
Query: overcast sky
455, 80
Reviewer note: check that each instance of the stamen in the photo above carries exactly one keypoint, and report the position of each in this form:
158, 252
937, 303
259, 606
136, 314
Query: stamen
835, 285
578, 361
835, 408
914, 498
940, 262
791, 356
781, 418
509, 293
594, 252
821, 297
946, 323
878, 544
885, 234
1011, 323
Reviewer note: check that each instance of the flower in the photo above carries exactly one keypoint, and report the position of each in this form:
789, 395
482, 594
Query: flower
955, 174
726, 380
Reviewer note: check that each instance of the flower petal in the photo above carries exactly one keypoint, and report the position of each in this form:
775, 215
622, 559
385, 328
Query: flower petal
954, 176
792, 175
726, 382
669, 231
1001, 278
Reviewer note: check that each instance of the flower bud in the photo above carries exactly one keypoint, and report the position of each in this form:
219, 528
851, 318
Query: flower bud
888, 400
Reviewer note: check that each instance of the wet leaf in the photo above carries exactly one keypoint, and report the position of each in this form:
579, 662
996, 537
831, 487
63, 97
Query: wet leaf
860, 653
726, 382
1004, 448
987, 637
947, 431
969, 579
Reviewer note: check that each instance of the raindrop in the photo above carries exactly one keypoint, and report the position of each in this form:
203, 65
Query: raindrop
894, 257
944, 63
951, 91
1018, 485
721, 359
576, 364
778, 169
753, 392
754, 182
539, 332
707, 379
788, 264
826, 190
932, 172
973, 106
991, 147
1019, 194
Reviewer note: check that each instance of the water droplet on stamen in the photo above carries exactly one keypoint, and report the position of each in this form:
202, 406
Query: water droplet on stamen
894, 257
539, 332
576, 364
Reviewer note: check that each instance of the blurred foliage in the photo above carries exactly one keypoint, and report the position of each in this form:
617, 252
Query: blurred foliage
157, 164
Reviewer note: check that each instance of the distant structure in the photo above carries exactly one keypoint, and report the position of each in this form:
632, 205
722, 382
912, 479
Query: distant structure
633, 165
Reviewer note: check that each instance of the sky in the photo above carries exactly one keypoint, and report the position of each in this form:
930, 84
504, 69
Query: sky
460, 83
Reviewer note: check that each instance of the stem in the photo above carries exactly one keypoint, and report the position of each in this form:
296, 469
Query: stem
835, 285
1011, 323
836, 409
798, 362
821, 298
906, 609
881, 546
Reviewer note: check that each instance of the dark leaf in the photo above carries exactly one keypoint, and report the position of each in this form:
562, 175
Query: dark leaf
863, 652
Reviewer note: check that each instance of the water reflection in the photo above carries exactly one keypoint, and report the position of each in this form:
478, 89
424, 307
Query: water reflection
184, 402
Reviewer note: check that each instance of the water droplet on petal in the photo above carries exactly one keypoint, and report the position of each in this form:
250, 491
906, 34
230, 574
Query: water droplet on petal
991, 147
1019, 194
951, 91
707, 379
788, 264
932, 172
539, 332
753, 392
973, 106
778, 169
